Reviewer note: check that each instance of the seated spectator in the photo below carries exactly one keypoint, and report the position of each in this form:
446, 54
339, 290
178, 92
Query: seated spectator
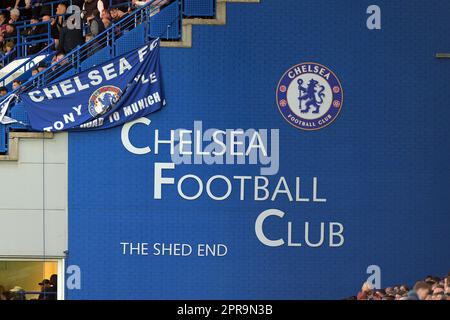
34, 72
3, 91
17, 293
45, 288
106, 22
117, 14
106, 19
88, 37
8, 48
422, 289
366, 292
3, 22
431, 288
35, 31
14, 16
16, 84
59, 57
41, 67
105, 14
10, 31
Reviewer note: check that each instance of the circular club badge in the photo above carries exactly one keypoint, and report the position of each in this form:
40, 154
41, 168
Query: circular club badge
103, 99
309, 96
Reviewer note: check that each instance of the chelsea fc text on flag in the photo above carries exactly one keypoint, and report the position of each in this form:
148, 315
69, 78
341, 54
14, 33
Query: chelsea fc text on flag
105, 96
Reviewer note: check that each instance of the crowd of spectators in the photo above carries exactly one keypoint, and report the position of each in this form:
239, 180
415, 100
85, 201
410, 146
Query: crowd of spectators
430, 288
95, 17
48, 291
51, 24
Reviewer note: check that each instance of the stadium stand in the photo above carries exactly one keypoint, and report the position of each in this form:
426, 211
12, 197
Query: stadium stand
34, 53
429, 288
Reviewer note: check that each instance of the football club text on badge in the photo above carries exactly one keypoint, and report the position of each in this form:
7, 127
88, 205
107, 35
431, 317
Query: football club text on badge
309, 96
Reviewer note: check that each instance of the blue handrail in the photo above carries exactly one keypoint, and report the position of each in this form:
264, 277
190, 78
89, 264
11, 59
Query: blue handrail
45, 51
23, 39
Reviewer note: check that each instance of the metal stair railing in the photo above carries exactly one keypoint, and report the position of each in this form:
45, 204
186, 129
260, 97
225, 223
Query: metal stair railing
44, 51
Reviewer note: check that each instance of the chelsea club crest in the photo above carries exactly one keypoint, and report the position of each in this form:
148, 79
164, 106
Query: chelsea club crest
103, 99
309, 96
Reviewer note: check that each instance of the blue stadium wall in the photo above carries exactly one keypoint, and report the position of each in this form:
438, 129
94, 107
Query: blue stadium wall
382, 165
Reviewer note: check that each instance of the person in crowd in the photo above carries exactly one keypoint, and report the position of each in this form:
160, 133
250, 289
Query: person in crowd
53, 287
16, 84
45, 288
61, 11
88, 37
3, 91
3, 22
2, 289
41, 67
35, 31
59, 57
34, 72
17, 293
10, 30
8, 48
106, 22
14, 16
366, 292
95, 23
422, 289
90, 5
105, 14
106, 18
54, 31
117, 14
70, 38
430, 288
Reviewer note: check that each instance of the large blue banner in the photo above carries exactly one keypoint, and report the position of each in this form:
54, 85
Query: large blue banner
105, 96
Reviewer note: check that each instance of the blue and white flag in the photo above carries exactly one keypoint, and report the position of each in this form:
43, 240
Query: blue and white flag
104, 96
4, 106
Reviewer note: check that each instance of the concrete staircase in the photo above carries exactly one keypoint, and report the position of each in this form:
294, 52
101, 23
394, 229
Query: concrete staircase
219, 20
